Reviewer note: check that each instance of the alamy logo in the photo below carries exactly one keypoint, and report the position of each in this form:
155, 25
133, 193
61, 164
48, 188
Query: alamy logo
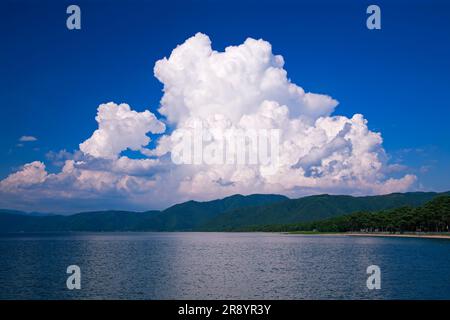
374, 280
374, 20
73, 22
74, 280
229, 147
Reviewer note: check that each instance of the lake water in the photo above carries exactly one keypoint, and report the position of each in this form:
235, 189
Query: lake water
221, 266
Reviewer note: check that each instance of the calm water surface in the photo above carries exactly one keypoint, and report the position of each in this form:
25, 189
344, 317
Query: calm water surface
221, 266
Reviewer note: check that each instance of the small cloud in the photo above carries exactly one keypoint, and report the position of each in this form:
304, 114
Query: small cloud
19, 145
27, 138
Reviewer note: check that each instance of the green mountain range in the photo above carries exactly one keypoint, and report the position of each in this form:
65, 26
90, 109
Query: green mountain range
314, 208
186, 216
231, 213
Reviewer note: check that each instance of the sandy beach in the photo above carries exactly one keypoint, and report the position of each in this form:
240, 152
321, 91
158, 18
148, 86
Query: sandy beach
363, 234
405, 235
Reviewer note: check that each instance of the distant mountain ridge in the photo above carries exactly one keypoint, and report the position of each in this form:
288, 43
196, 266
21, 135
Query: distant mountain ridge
315, 208
23, 213
186, 216
229, 213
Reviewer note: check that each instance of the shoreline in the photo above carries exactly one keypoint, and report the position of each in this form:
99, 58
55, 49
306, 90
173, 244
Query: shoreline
405, 235
363, 234
304, 233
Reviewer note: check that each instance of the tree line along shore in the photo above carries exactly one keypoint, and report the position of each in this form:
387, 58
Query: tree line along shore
432, 217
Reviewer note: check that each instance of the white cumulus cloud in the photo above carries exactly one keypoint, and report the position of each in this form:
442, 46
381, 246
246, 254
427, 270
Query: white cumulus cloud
201, 82
244, 87
120, 128
31, 174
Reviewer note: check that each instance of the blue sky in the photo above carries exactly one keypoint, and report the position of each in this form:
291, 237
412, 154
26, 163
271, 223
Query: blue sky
52, 79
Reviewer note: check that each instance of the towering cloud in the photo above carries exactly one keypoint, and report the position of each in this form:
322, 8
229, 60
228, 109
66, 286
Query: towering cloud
241, 89
201, 82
